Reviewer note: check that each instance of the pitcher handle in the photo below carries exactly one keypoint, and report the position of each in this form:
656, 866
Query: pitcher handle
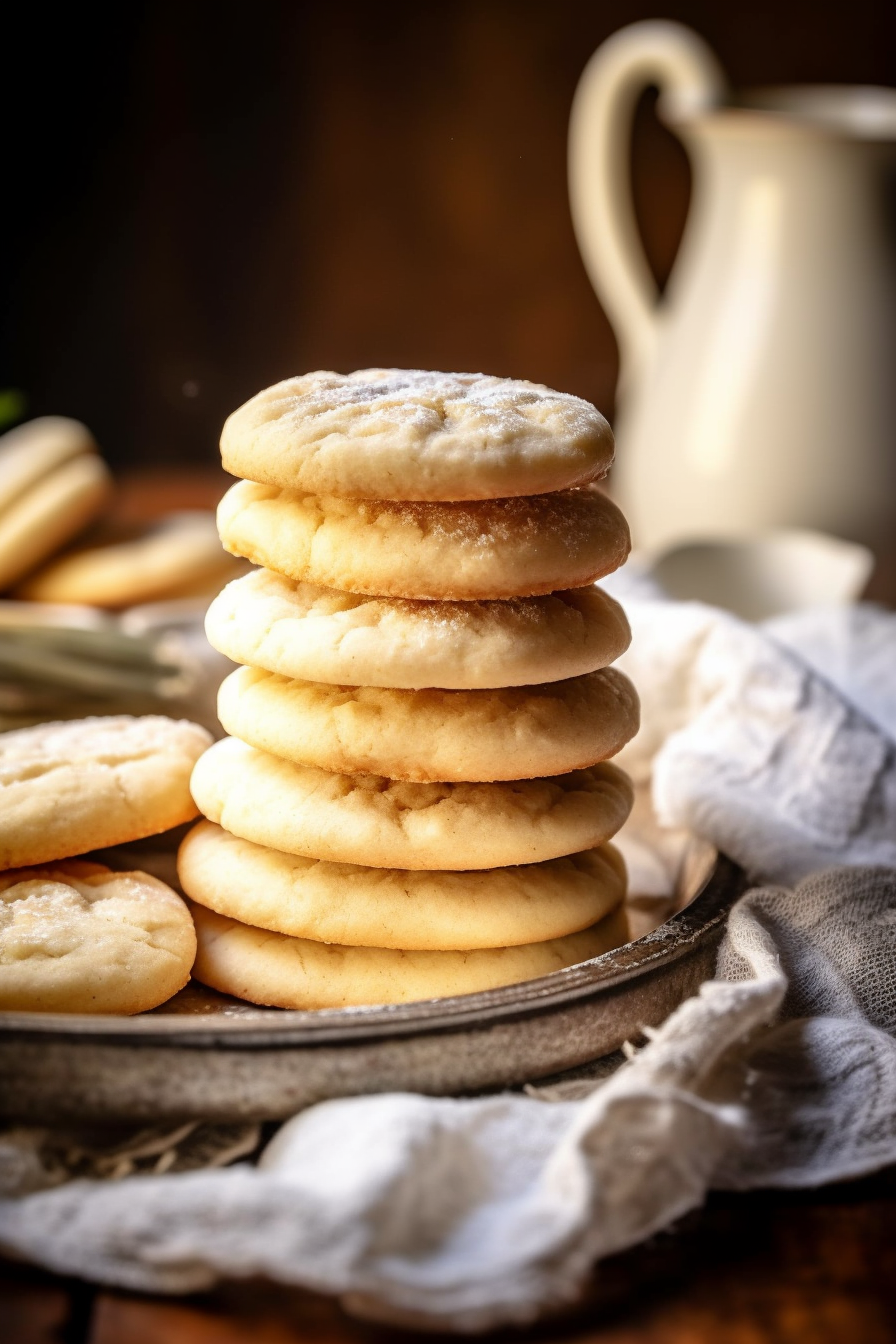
690, 80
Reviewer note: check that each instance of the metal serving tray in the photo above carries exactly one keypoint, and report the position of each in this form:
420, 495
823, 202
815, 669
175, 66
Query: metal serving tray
203, 1055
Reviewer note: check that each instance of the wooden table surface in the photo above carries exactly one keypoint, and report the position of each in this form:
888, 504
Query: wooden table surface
772, 1267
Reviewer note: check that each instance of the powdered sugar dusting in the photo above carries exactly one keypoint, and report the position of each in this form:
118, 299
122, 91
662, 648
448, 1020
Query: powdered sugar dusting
416, 435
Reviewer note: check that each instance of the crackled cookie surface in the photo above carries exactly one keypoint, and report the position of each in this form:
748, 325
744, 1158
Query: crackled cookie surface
388, 823
462, 552
362, 906
69, 787
322, 634
518, 732
416, 435
286, 972
76, 937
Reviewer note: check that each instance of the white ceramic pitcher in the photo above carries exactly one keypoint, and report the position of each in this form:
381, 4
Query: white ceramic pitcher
760, 390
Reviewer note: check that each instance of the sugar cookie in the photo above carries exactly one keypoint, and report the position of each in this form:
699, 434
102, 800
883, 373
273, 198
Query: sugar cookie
415, 435
273, 968
31, 451
388, 823
518, 732
66, 788
386, 907
460, 551
78, 938
184, 551
322, 634
49, 513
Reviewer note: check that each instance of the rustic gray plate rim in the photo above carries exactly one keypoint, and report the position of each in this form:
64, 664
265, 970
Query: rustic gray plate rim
247, 1028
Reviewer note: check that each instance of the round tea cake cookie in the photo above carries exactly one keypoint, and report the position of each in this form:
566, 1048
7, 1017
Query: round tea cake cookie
77, 938
458, 551
31, 451
182, 553
285, 972
386, 907
347, 639
411, 434
49, 513
389, 823
515, 732
66, 788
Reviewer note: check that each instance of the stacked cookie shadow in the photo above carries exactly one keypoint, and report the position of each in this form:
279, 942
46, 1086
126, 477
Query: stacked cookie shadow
415, 798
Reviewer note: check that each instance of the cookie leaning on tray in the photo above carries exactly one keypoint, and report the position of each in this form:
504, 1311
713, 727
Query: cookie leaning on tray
413, 802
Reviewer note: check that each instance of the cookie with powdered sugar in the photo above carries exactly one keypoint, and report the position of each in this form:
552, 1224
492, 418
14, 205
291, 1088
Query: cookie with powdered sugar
410, 434
475, 551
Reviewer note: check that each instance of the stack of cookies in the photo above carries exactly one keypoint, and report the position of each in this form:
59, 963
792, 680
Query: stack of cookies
415, 799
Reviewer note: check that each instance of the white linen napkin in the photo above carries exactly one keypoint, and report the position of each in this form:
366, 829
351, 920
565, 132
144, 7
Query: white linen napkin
775, 743
778, 746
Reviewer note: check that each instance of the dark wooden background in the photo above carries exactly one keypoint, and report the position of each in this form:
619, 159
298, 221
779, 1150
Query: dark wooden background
201, 198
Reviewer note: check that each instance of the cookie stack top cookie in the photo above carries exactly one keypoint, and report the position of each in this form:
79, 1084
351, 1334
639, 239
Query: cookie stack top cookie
422, 486
403, 434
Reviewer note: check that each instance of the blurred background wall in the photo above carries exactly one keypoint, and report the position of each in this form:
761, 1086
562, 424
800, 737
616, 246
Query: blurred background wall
203, 198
